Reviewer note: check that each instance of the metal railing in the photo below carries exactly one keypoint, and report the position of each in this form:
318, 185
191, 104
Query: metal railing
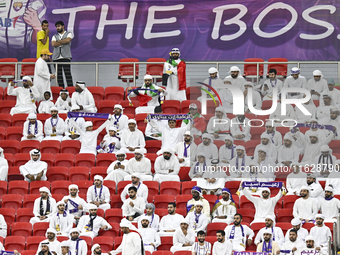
216, 63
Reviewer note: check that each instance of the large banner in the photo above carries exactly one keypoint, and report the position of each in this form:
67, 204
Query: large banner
108, 30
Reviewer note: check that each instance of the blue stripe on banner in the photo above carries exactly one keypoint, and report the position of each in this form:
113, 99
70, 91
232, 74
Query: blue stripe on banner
6, 252
169, 116
88, 115
250, 253
262, 184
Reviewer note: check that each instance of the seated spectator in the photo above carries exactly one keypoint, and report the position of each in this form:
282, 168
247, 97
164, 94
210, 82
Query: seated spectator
184, 237
199, 167
320, 232
315, 188
89, 138
265, 163
132, 138
33, 129
240, 129
151, 216
3, 226
98, 194
45, 106
222, 246
227, 97
139, 164
296, 180
295, 80
274, 135
170, 222
34, 170
219, 125
44, 249
153, 133
201, 247
74, 204
119, 120
239, 235
197, 196
65, 247
326, 161
110, 143
334, 93
267, 145
54, 126
238, 163
61, 221
199, 125
300, 116
333, 120
44, 207
334, 178
228, 152
288, 152
63, 102
236, 77
305, 208
323, 111
310, 245
297, 138
268, 85
97, 250
225, 208
300, 231
89, 225
213, 179
83, 98
290, 114
317, 85
26, 96
214, 81
142, 189
3, 166
256, 97
276, 232
197, 220
77, 245
134, 206
186, 150
53, 243
117, 170
268, 244
208, 147
167, 167
71, 133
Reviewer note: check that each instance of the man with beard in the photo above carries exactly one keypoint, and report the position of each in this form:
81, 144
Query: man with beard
197, 196
26, 96
265, 163
119, 120
97, 250
334, 93
224, 209
117, 170
324, 162
201, 247
62, 221
151, 216
274, 135
33, 129
219, 125
266, 145
268, 85
89, 225
305, 207
149, 95
75, 205
333, 120
134, 206
184, 237
186, 150
83, 98
61, 43
78, 246
197, 220
44, 207
293, 242
240, 129
71, 133
329, 206
213, 81
295, 80
54, 126
208, 147
317, 85
44, 249
166, 167
320, 232
228, 152
236, 77
149, 235
54, 244
170, 222
222, 246
141, 165
34, 170
199, 124
98, 194
239, 235
142, 189
288, 152
315, 188
310, 245
268, 244
300, 231
276, 232
237, 164
323, 111
132, 138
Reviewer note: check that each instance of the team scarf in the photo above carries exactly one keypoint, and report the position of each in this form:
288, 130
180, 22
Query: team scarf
197, 115
89, 226
267, 248
74, 204
54, 125
77, 244
88, 115
232, 232
184, 117
196, 168
153, 215
262, 184
232, 150
35, 127
325, 165
48, 207
97, 198
186, 150
271, 136
327, 127
242, 163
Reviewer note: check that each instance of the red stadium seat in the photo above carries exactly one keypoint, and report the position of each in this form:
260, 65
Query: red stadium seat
28, 69
50, 146
97, 92
1, 93
114, 232
78, 173
88, 241
10, 158
184, 173
281, 69
60, 187
182, 212
3, 188
21, 229
288, 201
6, 106
161, 212
98, 170
36, 185
85, 159
2, 133
21, 159
24, 214
116, 201
18, 187
171, 106
64, 159
246, 204
140, 120
153, 187
7, 71
170, 188
14, 242
335, 146
308, 226
152, 146
70, 146
33, 241
27, 145
10, 146
19, 119
71, 90
250, 146
121, 185
285, 226
247, 214
233, 186
48, 158
183, 252
57, 173
161, 201
105, 242
56, 91
28, 252
126, 71
117, 242
12, 201
83, 186
155, 70
43, 117
105, 159
211, 199
251, 69
14, 174
213, 227
152, 158
9, 214
166, 243
185, 105
5, 120
64, 238
114, 93
129, 109
111, 185
187, 187
193, 93
211, 107
107, 106
164, 253
28, 201
257, 226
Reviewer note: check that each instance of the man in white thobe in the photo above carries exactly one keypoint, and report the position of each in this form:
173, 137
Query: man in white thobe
275, 136
149, 235
301, 232
213, 179
78, 246
288, 152
71, 133
240, 129
132, 138
139, 164
89, 225
46, 104
110, 142
170, 222
74, 204
256, 97
197, 196
239, 235
61, 221
295, 80
54, 244
222, 246
333, 120
296, 180
333, 92
199, 167
34, 169
197, 219
42, 76
277, 234
311, 248
268, 85
196, 124
293, 243
228, 151
117, 170
98, 194
267, 145
224, 209
26, 96
334, 178
315, 188
183, 238
142, 189
265, 164
323, 111
208, 147
219, 125
54, 126
238, 163
324, 162
132, 243
329, 206
44, 207
33, 128
305, 207
97, 250
152, 133
83, 98
320, 232
236, 77
3, 226
119, 120
186, 150
63, 102
310, 107
3, 166
317, 85
151, 216
167, 167
278, 117
214, 81
226, 97
134, 206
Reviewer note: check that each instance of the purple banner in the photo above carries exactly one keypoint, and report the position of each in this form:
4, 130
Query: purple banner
203, 30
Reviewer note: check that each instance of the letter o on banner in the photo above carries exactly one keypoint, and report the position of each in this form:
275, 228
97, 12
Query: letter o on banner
279, 5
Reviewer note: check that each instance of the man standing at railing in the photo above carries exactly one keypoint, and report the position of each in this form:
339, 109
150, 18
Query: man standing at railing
61, 43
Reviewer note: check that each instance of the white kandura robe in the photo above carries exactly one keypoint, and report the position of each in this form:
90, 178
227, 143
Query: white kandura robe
179, 239
238, 81
226, 154
191, 153
227, 99
334, 94
211, 150
42, 78
302, 233
239, 241
120, 122
131, 245
169, 222
289, 245
202, 223
3, 168
117, 174
63, 106
143, 167
295, 181
333, 122
85, 99
173, 92
301, 117
62, 224
34, 168
69, 127
329, 209
142, 191
305, 209
82, 247
24, 102
163, 167
287, 154
318, 86
45, 106
256, 100
3, 226
149, 130
226, 208
216, 125
153, 221
38, 136
132, 139
268, 94
275, 138
235, 171
78, 200
290, 114
109, 140
98, 222
311, 151
104, 196
206, 206
224, 248
320, 235
291, 82
53, 246
240, 129
60, 129
277, 235
270, 148
323, 111
36, 210
139, 206
334, 180
149, 235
